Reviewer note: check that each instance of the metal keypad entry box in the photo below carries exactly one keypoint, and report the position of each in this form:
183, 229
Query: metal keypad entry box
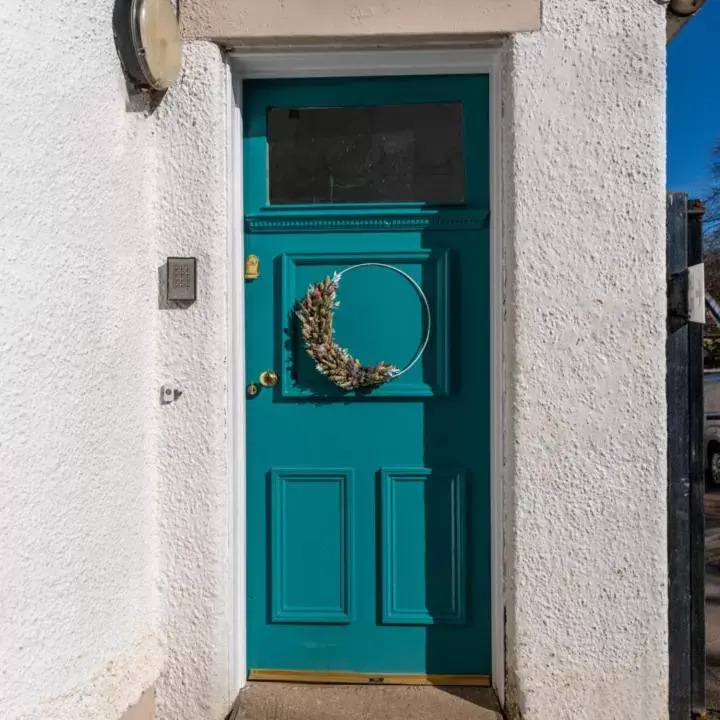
182, 279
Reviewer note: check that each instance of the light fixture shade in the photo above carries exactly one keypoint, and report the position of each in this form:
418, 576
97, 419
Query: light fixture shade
156, 41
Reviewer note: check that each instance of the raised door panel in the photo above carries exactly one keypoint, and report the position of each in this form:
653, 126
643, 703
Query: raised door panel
423, 549
381, 316
311, 546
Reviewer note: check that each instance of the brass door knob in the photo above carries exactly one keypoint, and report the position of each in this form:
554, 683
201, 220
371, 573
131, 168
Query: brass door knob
268, 378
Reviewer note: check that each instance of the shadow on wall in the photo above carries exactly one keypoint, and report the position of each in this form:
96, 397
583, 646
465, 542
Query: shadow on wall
163, 302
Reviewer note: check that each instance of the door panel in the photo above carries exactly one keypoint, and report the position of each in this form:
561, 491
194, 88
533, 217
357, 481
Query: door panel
375, 339
423, 554
368, 512
310, 514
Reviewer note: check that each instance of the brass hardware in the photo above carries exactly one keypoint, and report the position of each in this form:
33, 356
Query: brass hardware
350, 678
252, 389
268, 378
252, 267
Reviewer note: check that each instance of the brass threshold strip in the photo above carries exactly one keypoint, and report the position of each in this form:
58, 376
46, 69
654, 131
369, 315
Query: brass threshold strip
353, 678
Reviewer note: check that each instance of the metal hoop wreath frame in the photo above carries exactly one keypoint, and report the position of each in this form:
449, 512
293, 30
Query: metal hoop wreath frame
315, 312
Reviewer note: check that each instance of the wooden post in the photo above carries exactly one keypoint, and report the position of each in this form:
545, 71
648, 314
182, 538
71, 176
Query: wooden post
686, 477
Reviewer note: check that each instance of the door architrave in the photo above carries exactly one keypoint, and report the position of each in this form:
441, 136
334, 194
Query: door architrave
309, 62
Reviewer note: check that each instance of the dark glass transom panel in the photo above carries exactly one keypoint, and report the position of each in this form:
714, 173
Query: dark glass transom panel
385, 153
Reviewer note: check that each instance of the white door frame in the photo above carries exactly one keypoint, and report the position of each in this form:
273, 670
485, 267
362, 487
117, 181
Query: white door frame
322, 62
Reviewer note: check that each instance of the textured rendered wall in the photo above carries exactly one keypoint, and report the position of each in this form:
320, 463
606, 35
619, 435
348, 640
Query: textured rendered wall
78, 602
193, 493
144, 708
587, 573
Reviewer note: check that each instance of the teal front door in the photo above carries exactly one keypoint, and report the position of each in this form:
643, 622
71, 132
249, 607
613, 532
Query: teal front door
368, 510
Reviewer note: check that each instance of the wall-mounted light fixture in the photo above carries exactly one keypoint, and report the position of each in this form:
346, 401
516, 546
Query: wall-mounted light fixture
678, 14
685, 8
147, 36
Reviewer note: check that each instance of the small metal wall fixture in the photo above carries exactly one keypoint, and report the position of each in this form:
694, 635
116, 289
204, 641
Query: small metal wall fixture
181, 279
170, 392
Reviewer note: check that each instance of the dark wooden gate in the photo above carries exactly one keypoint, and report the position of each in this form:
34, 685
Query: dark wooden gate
686, 482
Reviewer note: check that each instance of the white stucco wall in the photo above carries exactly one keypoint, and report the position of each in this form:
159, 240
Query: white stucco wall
585, 176
114, 509
195, 502
78, 395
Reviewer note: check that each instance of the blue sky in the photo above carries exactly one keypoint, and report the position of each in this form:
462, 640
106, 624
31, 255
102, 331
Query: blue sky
694, 100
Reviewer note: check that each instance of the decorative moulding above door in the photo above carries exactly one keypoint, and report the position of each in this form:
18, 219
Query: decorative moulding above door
235, 22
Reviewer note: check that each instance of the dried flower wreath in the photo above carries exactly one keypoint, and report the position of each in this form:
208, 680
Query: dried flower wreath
316, 311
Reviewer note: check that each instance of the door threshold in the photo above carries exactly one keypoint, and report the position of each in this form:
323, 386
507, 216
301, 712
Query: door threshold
353, 678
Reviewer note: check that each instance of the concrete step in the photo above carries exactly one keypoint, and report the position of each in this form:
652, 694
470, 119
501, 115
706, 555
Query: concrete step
285, 701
